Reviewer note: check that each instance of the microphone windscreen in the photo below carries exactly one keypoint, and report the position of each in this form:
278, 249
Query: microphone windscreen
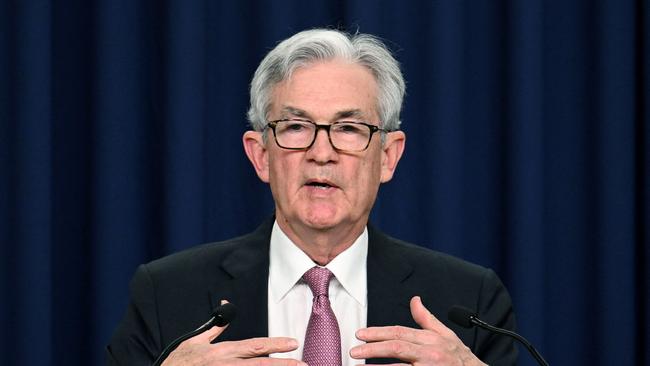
461, 316
224, 314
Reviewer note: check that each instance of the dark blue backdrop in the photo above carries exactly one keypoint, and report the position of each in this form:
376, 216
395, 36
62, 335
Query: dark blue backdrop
527, 151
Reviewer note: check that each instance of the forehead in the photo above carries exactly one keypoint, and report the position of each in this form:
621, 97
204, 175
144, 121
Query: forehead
326, 90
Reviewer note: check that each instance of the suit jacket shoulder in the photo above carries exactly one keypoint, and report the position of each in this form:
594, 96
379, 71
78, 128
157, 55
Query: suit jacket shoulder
176, 294
398, 270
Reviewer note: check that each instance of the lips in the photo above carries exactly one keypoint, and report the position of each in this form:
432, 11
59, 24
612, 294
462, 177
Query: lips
320, 183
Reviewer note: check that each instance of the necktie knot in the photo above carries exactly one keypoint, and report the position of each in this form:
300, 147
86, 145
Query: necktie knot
318, 279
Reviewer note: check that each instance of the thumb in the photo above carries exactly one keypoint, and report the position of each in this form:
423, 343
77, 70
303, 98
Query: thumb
212, 333
208, 336
425, 319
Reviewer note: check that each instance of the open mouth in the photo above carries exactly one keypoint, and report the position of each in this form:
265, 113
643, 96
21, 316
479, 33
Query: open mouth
320, 184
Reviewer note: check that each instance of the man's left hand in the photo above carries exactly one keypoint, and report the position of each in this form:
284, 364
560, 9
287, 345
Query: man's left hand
434, 344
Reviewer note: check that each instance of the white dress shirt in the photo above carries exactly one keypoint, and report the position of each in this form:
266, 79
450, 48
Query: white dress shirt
290, 299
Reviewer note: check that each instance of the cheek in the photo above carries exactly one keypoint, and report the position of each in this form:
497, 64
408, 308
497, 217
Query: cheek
283, 173
366, 178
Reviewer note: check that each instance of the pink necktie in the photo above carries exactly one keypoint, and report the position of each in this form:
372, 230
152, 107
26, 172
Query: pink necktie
323, 338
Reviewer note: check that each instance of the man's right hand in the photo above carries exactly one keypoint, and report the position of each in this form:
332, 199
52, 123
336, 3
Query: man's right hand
199, 351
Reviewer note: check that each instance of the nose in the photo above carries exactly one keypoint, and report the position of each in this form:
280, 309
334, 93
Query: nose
322, 151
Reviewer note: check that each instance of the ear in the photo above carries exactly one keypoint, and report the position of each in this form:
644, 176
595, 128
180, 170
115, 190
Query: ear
257, 153
392, 151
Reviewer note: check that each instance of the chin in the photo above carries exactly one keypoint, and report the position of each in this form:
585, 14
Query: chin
322, 218
321, 223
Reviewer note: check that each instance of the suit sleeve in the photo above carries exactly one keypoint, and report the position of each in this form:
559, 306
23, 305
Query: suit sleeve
136, 339
495, 307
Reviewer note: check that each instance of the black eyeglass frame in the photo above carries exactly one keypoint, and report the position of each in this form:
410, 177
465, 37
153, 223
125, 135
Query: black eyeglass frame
273, 124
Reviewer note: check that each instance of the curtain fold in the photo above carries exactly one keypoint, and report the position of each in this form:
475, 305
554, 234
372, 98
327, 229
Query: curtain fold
527, 151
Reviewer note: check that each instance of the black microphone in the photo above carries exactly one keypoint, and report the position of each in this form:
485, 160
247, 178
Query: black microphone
467, 319
221, 315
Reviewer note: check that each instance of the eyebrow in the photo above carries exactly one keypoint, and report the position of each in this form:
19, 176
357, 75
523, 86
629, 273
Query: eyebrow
348, 113
294, 111
351, 113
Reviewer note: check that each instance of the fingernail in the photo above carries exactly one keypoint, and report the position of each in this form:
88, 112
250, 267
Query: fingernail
354, 352
293, 343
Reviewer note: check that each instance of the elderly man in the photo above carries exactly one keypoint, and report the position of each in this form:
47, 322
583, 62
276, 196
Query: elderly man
317, 284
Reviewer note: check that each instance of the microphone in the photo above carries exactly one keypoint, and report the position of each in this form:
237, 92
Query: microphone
221, 316
466, 319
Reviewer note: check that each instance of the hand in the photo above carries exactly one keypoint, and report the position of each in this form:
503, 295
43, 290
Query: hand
198, 351
434, 344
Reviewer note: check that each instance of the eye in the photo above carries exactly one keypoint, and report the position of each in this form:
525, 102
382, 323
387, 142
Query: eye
349, 128
294, 126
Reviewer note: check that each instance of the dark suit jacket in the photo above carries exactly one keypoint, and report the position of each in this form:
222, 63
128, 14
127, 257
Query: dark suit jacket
176, 294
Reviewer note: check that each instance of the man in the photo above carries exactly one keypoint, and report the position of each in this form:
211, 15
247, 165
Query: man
316, 282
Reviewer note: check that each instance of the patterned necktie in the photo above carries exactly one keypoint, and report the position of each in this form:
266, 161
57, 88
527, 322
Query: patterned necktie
323, 338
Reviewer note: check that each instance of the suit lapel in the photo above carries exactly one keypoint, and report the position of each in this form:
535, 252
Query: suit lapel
247, 286
388, 293
388, 296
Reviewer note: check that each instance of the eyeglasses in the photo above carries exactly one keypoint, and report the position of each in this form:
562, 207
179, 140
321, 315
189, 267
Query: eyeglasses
300, 134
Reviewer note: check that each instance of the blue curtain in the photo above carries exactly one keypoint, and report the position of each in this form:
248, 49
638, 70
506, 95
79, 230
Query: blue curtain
528, 151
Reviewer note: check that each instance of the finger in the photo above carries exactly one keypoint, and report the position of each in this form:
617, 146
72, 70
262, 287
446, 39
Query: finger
216, 335
400, 350
212, 333
396, 332
255, 347
426, 320
264, 361
208, 336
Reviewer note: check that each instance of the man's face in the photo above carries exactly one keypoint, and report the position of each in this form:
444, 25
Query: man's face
321, 188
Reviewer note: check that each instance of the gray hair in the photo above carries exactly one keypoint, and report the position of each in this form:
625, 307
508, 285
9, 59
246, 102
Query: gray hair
325, 44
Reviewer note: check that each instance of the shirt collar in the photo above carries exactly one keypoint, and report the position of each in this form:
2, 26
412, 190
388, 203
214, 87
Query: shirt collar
288, 263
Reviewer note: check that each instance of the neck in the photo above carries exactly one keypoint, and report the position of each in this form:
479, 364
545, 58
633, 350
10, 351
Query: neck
321, 245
